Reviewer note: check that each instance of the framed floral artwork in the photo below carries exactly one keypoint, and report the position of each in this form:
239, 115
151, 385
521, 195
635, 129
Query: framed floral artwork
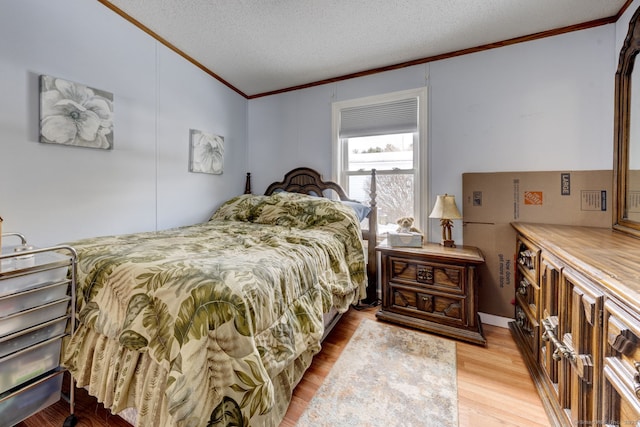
206, 152
75, 114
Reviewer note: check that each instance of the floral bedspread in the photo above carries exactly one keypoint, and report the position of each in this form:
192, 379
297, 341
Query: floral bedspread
223, 309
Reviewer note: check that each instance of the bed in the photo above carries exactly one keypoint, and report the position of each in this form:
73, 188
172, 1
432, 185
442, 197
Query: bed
215, 323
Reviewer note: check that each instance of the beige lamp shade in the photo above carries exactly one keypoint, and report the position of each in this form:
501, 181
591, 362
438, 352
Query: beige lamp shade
445, 208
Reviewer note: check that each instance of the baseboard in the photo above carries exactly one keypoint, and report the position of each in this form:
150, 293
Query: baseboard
492, 319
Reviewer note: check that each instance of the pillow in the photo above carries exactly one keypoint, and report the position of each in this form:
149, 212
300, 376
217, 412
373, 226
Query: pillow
249, 207
362, 211
303, 211
241, 208
288, 210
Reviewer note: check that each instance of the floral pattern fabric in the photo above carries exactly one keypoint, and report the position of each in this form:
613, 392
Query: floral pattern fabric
229, 310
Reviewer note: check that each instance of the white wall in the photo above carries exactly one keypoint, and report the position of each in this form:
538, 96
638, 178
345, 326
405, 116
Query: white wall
56, 193
541, 105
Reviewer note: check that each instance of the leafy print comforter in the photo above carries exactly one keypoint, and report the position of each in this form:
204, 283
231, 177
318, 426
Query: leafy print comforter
214, 323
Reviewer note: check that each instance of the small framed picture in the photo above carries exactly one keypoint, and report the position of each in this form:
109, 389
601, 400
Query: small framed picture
206, 152
75, 114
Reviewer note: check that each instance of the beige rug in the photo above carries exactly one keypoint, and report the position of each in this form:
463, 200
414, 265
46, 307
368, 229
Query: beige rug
388, 376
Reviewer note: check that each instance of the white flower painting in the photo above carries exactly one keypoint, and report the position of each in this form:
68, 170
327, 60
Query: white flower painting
75, 114
206, 152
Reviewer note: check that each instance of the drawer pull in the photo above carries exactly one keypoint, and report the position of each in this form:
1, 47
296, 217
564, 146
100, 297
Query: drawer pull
556, 355
621, 338
522, 289
526, 258
547, 336
582, 363
424, 274
520, 317
561, 350
521, 321
425, 302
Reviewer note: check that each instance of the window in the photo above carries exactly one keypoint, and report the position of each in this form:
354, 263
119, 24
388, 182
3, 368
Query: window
384, 132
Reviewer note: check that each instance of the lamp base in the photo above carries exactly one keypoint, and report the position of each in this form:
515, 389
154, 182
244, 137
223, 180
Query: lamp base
448, 243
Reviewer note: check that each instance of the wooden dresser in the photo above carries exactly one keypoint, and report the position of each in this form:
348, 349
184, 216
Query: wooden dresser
433, 288
577, 321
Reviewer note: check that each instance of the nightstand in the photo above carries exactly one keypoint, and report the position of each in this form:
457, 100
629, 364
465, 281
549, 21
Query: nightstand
432, 288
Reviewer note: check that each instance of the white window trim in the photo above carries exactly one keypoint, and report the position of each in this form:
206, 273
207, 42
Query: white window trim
420, 157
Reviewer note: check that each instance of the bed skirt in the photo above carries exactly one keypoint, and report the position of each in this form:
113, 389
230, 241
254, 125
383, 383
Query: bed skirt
122, 379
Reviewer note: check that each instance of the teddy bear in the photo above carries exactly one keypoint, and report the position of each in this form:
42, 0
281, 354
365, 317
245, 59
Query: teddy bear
405, 225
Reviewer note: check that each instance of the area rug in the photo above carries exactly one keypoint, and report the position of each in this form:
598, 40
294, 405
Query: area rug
388, 376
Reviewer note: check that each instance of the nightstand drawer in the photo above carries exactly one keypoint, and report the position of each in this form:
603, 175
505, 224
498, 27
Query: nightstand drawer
433, 306
446, 277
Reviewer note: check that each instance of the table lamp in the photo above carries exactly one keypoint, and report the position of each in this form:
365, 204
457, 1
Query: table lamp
446, 210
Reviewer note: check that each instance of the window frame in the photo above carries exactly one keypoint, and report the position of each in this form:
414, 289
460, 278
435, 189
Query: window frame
340, 154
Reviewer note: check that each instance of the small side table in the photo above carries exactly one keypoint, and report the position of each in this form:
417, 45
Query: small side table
432, 288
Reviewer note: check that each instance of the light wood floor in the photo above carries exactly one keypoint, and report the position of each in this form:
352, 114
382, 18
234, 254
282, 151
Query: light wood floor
494, 387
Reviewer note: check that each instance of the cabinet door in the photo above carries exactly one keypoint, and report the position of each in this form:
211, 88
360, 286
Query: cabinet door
621, 382
581, 327
550, 356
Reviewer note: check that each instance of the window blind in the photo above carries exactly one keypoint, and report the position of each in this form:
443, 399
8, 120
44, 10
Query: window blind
378, 119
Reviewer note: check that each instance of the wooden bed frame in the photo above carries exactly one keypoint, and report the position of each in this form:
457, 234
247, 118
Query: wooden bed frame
309, 181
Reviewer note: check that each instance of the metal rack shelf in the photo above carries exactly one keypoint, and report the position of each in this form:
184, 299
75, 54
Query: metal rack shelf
37, 310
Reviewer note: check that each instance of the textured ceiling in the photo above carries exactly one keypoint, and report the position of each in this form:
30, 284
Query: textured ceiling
260, 46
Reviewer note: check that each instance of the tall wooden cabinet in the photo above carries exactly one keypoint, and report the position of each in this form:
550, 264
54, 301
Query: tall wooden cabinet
577, 321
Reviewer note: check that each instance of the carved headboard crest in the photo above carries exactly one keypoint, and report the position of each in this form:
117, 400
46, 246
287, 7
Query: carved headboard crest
306, 181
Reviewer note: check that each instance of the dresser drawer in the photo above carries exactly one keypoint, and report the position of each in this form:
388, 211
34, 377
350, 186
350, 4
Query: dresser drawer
619, 391
434, 276
528, 258
528, 295
429, 305
529, 329
622, 337
622, 365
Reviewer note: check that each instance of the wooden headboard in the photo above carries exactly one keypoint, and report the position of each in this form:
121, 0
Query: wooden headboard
309, 181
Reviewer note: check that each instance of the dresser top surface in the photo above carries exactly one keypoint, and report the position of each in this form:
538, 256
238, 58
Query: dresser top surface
608, 256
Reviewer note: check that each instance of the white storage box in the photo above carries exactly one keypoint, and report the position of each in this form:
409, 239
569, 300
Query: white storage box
34, 316
20, 367
20, 282
14, 303
23, 339
17, 406
413, 240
